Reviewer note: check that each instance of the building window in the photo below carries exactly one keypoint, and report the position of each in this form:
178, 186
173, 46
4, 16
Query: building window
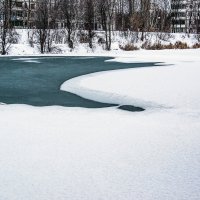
19, 4
19, 13
32, 6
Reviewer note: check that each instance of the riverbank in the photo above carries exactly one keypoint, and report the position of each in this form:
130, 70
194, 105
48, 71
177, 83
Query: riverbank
28, 44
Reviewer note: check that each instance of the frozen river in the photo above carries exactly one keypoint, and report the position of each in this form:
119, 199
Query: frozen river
36, 80
74, 153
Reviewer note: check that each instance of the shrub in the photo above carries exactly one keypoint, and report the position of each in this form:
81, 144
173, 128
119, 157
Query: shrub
159, 46
196, 46
145, 45
197, 37
128, 47
156, 46
169, 46
181, 45
84, 38
101, 40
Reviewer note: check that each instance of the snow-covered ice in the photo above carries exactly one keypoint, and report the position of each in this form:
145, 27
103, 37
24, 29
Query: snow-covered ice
173, 85
84, 154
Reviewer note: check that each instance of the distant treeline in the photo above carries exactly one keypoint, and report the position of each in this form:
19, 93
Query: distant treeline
46, 16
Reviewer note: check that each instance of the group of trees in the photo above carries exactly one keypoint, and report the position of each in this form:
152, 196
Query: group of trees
6, 30
88, 15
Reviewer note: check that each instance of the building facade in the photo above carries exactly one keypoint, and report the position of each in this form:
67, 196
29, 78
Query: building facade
23, 13
185, 16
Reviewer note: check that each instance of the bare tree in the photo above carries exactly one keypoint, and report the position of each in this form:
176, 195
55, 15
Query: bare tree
144, 14
159, 16
131, 4
107, 13
123, 15
6, 28
197, 16
54, 9
131, 11
89, 19
165, 16
47, 11
193, 15
42, 23
69, 16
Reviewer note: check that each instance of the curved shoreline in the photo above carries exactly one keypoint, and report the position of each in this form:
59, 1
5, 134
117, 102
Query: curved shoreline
38, 84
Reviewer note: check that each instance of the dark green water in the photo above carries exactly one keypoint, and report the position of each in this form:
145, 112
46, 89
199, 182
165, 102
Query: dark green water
37, 82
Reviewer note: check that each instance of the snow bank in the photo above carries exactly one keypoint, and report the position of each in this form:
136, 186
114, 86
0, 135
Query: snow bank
29, 45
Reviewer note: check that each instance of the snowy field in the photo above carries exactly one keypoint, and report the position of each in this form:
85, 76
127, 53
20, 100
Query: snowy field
59, 153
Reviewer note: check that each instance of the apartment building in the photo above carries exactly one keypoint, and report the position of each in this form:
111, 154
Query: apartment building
185, 16
23, 13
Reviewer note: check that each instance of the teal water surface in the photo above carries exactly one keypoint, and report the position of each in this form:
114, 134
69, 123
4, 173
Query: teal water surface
36, 80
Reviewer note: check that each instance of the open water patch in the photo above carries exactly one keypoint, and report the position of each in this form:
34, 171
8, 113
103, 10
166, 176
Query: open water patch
23, 81
131, 108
